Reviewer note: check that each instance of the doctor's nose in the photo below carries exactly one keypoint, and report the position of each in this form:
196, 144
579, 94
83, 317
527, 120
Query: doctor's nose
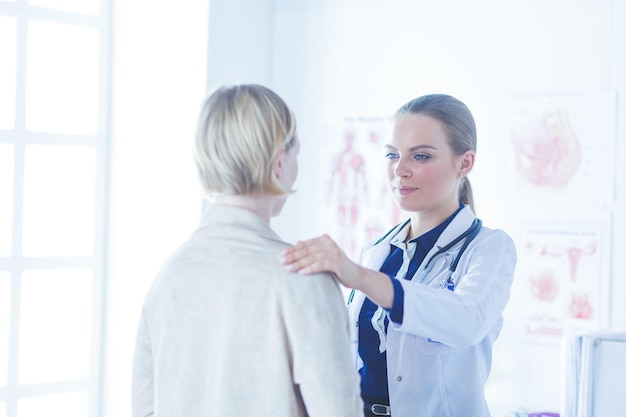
401, 169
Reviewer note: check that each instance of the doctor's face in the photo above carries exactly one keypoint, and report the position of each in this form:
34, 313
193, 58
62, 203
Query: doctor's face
422, 170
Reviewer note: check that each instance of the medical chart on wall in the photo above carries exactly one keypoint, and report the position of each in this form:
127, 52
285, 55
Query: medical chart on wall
563, 148
356, 204
561, 275
563, 152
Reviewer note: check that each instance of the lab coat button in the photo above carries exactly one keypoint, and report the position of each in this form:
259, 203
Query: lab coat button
398, 378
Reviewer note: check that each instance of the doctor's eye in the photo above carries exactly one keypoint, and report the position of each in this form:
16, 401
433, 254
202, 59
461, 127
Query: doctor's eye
391, 155
421, 157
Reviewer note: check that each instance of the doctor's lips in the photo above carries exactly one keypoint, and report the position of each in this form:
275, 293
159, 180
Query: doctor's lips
404, 190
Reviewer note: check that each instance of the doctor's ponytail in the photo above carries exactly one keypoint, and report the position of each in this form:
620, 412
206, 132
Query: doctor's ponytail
466, 195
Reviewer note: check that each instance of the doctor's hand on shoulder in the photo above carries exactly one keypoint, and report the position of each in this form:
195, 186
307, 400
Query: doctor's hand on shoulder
324, 254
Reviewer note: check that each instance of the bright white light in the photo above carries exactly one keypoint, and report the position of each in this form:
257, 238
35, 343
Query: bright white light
91, 7
59, 201
62, 78
55, 337
8, 71
5, 308
6, 203
74, 404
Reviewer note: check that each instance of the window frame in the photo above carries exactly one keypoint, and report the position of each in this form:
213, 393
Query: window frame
14, 264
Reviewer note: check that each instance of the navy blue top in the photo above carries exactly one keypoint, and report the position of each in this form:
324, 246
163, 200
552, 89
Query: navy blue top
373, 322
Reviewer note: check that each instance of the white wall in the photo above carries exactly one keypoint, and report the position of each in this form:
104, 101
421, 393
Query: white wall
617, 81
240, 42
159, 76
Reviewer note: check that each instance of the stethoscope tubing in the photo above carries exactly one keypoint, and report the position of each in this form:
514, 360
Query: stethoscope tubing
468, 235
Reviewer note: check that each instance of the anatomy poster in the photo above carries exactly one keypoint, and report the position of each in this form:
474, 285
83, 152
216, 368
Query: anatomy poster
561, 279
563, 147
356, 204
563, 151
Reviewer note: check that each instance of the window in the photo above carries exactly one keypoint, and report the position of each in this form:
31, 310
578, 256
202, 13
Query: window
54, 79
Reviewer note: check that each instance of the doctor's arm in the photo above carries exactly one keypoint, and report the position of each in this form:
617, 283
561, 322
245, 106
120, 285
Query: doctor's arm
323, 254
463, 317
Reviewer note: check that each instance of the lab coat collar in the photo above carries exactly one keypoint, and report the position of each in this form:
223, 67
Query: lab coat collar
461, 222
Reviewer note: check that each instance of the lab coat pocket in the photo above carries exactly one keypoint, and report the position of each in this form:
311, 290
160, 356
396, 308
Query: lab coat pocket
429, 347
433, 274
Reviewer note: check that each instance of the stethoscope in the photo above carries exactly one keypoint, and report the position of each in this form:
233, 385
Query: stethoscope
468, 235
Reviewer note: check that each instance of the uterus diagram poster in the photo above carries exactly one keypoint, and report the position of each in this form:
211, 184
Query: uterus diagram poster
563, 147
562, 278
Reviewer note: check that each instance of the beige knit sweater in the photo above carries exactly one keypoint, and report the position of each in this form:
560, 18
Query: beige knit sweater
227, 331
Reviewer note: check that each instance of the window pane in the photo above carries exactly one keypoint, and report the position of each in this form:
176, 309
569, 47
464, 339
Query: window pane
91, 7
74, 404
6, 198
55, 325
5, 306
59, 201
61, 78
8, 69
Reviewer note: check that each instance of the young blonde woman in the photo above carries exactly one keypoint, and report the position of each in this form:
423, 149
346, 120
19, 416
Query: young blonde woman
225, 330
428, 295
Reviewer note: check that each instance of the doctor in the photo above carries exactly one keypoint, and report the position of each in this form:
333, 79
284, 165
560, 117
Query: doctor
428, 296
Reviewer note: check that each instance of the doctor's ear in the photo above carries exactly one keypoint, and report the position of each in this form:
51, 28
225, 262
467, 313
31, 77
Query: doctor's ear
467, 162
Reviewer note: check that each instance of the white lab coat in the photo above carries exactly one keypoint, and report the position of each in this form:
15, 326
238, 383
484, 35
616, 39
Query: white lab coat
439, 358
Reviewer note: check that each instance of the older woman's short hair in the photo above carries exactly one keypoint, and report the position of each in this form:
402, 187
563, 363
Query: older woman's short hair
241, 130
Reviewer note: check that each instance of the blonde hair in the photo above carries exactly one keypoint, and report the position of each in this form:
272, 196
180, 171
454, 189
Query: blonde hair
241, 130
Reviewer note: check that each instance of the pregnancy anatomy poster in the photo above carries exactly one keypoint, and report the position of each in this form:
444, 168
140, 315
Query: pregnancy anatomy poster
563, 147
